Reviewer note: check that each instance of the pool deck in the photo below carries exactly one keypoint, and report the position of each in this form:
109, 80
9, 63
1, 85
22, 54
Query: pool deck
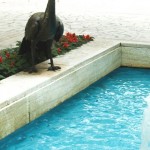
113, 20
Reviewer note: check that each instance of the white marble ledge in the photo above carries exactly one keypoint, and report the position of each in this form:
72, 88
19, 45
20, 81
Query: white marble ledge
21, 84
135, 44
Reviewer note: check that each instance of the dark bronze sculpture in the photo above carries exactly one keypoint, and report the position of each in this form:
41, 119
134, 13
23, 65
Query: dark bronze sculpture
40, 32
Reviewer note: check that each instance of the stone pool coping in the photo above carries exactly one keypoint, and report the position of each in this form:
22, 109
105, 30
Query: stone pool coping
24, 97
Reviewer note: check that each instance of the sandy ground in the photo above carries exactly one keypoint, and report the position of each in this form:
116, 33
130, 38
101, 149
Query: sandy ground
109, 19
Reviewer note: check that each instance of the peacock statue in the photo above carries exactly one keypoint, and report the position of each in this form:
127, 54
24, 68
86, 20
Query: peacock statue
42, 29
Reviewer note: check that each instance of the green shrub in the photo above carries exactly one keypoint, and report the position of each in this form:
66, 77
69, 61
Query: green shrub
11, 62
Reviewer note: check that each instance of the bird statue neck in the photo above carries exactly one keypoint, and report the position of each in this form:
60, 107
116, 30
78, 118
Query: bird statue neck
50, 11
48, 24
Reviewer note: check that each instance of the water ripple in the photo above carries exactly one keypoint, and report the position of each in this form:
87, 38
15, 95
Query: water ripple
105, 116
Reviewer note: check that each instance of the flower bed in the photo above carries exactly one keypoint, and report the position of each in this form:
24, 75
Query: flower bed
11, 62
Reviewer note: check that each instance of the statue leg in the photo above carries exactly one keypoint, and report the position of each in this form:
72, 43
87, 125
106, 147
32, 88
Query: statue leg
49, 52
33, 49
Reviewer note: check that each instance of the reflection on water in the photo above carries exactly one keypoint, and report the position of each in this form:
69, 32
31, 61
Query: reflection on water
146, 127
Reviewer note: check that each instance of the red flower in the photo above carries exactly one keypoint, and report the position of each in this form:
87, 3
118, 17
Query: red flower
7, 55
59, 50
65, 45
1, 59
72, 38
86, 37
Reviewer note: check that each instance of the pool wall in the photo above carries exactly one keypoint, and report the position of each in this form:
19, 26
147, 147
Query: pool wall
25, 97
135, 55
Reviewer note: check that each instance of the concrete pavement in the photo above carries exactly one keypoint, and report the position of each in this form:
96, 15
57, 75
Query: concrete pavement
110, 19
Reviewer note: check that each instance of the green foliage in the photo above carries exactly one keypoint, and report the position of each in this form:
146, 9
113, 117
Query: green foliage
11, 62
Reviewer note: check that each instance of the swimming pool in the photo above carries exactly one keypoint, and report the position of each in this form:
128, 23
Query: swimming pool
107, 115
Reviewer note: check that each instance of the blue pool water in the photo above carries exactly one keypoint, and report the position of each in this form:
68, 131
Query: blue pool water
105, 116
